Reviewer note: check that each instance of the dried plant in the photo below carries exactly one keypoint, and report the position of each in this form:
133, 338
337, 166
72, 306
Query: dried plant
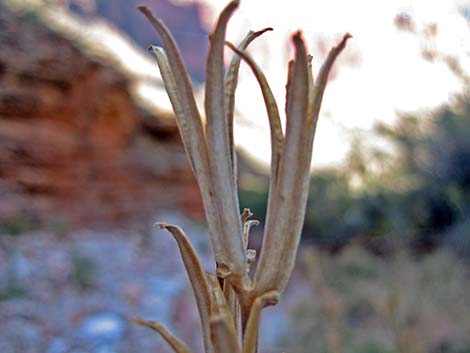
230, 301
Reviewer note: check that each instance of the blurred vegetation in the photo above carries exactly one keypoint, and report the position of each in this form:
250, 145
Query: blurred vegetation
415, 189
363, 303
17, 224
23, 222
84, 273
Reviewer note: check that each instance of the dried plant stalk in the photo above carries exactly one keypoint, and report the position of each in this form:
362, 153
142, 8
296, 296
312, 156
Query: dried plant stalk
251, 336
175, 343
285, 219
197, 278
220, 155
277, 138
232, 293
231, 81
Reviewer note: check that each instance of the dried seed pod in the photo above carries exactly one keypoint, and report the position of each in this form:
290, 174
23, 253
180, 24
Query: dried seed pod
210, 150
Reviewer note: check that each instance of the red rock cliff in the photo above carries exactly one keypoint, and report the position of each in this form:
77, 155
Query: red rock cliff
74, 145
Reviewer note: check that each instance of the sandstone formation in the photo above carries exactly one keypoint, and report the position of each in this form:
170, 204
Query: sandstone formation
75, 146
183, 19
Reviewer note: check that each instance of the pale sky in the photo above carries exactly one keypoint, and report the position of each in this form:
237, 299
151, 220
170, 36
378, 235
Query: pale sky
389, 74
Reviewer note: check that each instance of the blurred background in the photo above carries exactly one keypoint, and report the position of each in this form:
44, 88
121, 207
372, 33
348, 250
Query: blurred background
90, 158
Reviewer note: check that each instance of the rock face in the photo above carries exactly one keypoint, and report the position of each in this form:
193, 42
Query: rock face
184, 21
74, 146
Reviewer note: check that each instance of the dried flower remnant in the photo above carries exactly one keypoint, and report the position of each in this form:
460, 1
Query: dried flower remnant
230, 302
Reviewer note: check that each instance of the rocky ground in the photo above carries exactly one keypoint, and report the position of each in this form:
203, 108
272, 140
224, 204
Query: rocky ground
74, 293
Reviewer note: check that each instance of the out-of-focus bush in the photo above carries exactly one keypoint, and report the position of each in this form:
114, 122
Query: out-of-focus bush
364, 303
434, 159
419, 194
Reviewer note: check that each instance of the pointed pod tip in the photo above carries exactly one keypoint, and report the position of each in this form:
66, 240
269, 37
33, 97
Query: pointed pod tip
135, 320
346, 37
160, 225
230, 7
143, 8
264, 30
139, 321
300, 46
343, 41
155, 49
297, 36
256, 34
299, 42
